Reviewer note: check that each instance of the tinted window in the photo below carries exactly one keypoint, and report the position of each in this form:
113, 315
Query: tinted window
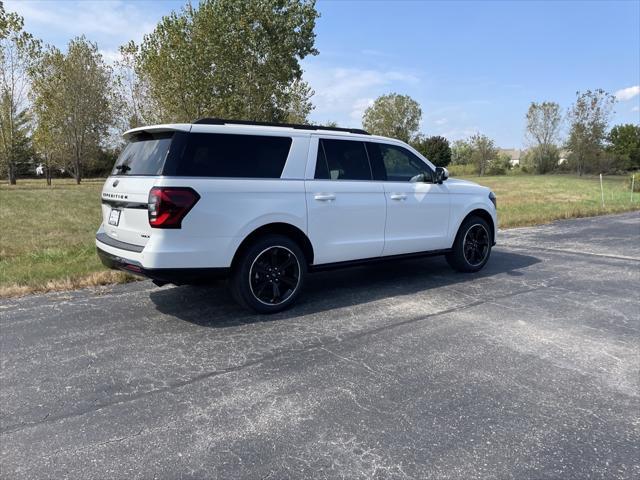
223, 155
345, 159
322, 169
399, 163
144, 155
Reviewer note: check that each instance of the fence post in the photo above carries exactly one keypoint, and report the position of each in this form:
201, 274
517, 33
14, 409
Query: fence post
633, 184
601, 191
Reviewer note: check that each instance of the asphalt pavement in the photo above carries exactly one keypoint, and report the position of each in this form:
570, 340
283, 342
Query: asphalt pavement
529, 369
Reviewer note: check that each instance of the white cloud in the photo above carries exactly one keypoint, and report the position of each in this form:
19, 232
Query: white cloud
636, 109
343, 94
110, 56
441, 121
110, 23
628, 93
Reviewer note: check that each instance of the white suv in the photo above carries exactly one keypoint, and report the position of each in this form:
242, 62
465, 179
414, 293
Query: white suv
264, 204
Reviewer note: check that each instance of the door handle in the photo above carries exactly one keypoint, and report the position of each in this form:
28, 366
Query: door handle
398, 196
325, 197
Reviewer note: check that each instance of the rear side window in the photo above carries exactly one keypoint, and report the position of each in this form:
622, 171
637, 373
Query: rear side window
344, 160
144, 154
224, 155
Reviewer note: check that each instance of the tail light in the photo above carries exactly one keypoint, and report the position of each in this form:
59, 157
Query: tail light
169, 205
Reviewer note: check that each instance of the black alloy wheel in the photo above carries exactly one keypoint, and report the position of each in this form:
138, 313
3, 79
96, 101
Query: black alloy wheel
476, 244
274, 275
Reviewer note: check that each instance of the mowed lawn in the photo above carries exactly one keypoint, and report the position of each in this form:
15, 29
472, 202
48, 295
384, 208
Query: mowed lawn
47, 233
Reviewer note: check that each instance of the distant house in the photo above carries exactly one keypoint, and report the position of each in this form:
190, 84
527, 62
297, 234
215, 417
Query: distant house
514, 155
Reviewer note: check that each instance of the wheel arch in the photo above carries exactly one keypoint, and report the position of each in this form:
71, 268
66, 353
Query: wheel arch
485, 215
277, 228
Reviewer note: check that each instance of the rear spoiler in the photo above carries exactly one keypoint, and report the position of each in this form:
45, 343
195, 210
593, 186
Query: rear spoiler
169, 127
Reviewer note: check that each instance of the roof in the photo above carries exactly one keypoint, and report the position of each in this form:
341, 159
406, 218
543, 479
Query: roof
298, 126
513, 153
247, 128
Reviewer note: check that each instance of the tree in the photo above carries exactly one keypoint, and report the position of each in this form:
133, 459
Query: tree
75, 90
484, 151
136, 106
589, 117
461, 152
436, 149
17, 49
393, 115
300, 105
530, 160
625, 142
500, 164
543, 126
230, 59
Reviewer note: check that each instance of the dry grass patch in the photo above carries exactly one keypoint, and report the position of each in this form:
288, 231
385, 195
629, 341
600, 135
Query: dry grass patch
95, 279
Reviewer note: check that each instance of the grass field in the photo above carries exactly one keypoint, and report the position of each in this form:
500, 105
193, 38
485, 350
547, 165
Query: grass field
47, 233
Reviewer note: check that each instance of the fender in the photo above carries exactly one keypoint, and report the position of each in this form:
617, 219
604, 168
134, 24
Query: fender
460, 216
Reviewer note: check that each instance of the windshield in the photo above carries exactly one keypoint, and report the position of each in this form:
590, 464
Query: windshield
144, 155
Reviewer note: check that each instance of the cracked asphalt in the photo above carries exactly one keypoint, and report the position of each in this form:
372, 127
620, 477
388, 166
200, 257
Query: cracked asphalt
527, 370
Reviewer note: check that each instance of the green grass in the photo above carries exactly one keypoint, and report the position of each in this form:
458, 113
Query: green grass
47, 236
536, 199
47, 233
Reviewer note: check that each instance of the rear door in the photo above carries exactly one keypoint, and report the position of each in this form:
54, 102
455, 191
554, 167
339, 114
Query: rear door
126, 192
346, 207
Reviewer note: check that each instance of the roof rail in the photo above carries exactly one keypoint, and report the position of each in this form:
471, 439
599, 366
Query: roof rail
299, 126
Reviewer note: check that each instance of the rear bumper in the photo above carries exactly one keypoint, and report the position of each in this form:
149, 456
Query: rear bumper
177, 276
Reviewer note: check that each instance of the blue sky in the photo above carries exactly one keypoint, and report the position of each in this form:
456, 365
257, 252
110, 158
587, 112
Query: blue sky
473, 66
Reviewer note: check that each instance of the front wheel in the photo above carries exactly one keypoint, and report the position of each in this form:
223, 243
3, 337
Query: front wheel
269, 274
472, 247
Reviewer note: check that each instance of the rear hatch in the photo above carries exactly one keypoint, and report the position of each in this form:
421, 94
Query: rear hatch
126, 192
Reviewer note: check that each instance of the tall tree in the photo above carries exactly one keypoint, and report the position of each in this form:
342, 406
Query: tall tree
435, 148
543, 127
75, 91
484, 150
136, 107
228, 59
589, 118
625, 142
393, 115
461, 152
300, 105
17, 49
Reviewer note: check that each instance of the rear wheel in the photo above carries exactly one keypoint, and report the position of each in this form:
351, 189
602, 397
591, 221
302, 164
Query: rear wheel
472, 247
269, 274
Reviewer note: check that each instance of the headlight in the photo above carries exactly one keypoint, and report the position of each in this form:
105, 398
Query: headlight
492, 197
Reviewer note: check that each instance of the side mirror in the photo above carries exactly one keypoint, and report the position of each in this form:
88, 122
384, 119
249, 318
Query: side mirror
441, 174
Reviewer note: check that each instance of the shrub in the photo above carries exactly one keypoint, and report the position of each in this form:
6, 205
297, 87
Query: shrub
462, 170
499, 165
636, 183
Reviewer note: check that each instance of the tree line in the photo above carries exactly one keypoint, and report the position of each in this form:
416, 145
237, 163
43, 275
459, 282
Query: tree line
221, 58
590, 146
65, 110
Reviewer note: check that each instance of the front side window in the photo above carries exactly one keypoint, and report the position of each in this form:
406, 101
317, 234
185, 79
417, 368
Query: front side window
400, 164
234, 156
343, 160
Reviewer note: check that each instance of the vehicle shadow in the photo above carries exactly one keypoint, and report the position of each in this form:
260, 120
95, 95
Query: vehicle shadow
212, 305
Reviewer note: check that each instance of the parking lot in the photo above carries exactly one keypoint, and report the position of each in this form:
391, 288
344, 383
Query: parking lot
529, 369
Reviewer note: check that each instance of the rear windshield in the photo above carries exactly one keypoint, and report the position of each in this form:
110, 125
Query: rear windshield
144, 155
226, 155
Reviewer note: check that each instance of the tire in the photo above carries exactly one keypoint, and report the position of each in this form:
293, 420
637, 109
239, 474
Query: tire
475, 234
269, 274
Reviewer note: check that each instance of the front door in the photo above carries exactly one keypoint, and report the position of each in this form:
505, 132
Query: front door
417, 209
